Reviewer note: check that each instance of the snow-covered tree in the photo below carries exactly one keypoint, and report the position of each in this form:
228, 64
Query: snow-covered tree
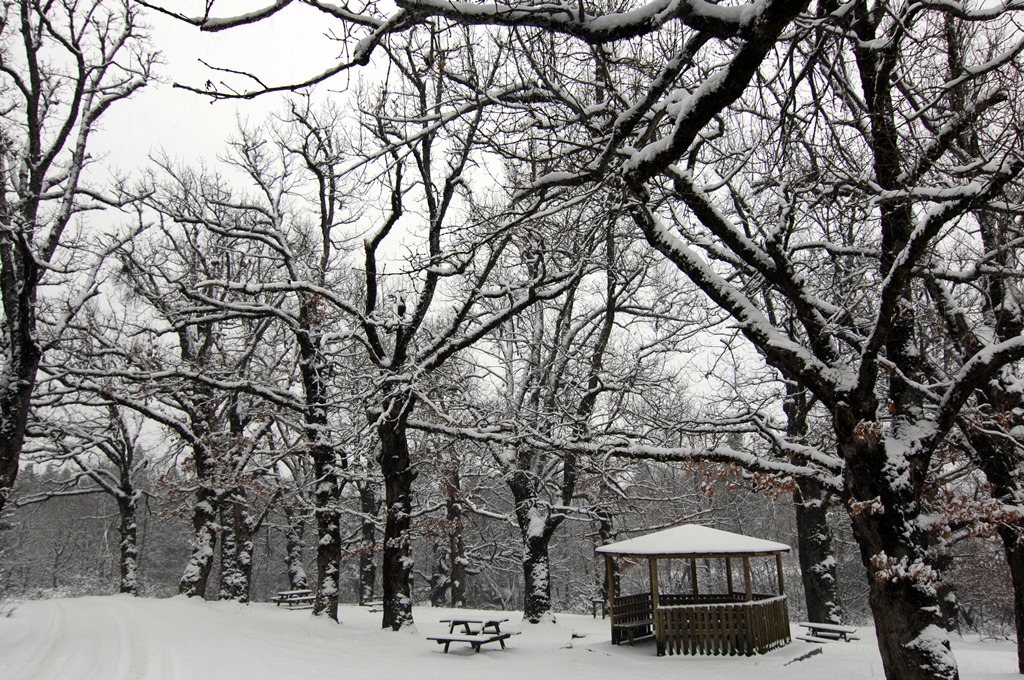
64, 65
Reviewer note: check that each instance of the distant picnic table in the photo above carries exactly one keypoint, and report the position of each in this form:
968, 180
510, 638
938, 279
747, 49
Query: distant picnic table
827, 632
294, 599
475, 632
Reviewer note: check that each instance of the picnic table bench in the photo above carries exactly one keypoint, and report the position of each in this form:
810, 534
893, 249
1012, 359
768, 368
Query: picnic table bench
475, 633
827, 632
475, 641
295, 599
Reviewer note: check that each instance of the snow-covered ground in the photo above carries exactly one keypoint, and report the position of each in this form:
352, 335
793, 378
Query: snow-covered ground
122, 638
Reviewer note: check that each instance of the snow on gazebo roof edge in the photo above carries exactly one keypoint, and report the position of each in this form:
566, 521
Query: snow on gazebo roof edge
694, 540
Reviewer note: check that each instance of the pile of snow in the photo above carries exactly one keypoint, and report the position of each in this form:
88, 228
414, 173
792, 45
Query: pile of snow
124, 638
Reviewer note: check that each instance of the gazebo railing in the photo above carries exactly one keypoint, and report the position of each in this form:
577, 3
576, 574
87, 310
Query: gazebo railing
722, 625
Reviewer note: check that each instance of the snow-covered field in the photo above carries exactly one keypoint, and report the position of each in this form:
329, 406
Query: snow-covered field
122, 638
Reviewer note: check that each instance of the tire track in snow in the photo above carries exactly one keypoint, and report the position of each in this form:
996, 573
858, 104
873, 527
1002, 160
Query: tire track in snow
106, 640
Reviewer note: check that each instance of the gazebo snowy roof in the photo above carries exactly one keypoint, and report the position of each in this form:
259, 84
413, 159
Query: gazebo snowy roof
694, 540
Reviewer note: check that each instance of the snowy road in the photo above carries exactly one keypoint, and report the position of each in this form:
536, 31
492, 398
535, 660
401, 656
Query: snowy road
124, 638
120, 638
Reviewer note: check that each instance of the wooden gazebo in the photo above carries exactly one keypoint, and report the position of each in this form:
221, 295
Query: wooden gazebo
737, 621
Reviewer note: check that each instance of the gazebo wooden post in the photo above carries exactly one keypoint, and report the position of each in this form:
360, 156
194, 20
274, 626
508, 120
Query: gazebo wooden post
778, 569
609, 570
749, 641
693, 578
728, 576
746, 580
652, 563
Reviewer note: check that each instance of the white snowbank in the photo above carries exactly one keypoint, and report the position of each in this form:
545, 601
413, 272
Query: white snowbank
123, 638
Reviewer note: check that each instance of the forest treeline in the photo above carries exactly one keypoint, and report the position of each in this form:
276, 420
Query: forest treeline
542, 276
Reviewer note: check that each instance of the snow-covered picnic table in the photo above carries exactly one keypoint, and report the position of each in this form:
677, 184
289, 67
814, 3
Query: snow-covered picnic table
294, 599
827, 632
475, 632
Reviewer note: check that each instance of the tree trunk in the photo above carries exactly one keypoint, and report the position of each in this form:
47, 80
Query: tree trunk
814, 535
19, 378
397, 563
369, 507
196, 576
440, 575
814, 547
455, 525
537, 578
537, 524
129, 546
605, 534
295, 529
997, 458
896, 552
236, 548
326, 494
1013, 547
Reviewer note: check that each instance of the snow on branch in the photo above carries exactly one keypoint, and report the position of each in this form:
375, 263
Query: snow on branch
621, 447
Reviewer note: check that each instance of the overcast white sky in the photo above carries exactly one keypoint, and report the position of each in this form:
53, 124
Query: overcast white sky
187, 125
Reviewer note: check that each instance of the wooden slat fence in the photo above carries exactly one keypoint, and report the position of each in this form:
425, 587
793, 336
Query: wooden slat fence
723, 627
631, 617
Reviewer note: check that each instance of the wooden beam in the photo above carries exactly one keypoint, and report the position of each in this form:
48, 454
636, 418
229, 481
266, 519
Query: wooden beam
746, 579
693, 576
778, 568
609, 570
652, 564
728, 575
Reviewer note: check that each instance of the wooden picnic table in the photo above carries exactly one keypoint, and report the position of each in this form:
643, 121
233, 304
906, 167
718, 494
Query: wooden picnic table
294, 599
827, 632
475, 632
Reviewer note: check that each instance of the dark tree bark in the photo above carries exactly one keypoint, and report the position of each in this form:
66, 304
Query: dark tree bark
326, 492
294, 530
449, 571
606, 535
897, 555
129, 545
814, 534
369, 507
537, 524
396, 466
236, 547
455, 516
816, 555
196, 576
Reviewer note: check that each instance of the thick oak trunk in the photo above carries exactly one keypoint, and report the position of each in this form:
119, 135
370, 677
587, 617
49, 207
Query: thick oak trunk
236, 548
326, 494
294, 530
899, 560
537, 578
1013, 548
129, 546
817, 558
19, 380
196, 576
369, 507
397, 562
537, 524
